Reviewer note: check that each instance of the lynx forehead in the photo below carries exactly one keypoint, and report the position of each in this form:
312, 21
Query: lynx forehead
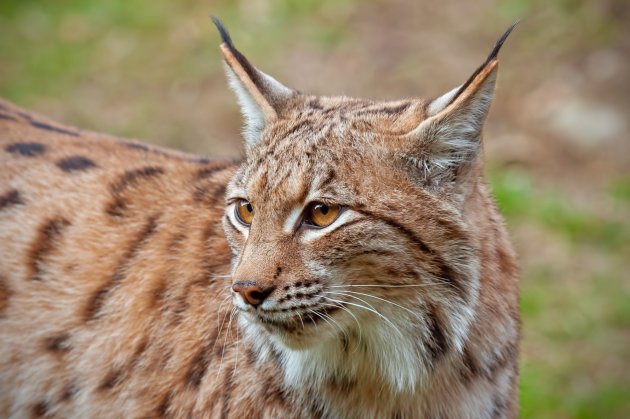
351, 265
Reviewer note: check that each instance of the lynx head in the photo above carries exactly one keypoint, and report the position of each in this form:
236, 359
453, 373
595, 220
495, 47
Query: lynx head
348, 224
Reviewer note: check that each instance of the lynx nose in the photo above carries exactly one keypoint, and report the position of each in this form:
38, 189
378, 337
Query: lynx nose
252, 294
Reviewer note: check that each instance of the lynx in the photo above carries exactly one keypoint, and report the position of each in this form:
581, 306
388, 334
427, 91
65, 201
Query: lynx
352, 265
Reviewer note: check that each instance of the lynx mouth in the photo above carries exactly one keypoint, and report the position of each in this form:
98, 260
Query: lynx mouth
293, 320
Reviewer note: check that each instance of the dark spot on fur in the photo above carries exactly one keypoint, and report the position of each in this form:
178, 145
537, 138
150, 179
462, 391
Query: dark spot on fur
113, 378
132, 176
314, 104
47, 238
8, 117
58, 343
470, 369
116, 207
136, 146
165, 404
41, 409
278, 272
75, 163
48, 127
437, 342
69, 392
5, 295
26, 149
10, 198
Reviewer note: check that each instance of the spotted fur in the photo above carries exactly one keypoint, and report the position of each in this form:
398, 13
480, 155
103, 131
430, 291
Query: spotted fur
117, 261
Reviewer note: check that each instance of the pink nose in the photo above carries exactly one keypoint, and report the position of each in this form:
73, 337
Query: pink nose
252, 294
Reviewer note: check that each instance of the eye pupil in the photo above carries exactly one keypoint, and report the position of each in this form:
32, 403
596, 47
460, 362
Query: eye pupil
244, 211
322, 215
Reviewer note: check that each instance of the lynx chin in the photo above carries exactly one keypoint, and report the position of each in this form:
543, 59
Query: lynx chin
352, 265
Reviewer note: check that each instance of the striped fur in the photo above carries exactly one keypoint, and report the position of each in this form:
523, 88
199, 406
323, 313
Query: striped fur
117, 261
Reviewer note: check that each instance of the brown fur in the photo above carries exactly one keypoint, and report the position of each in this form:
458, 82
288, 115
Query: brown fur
115, 272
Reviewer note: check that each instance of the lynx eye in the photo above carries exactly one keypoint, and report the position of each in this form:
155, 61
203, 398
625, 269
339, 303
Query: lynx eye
321, 215
244, 211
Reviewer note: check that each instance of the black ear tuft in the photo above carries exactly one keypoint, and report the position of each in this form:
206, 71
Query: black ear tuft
225, 36
499, 44
493, 56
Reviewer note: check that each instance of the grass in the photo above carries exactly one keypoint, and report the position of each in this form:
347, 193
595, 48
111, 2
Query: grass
575, 318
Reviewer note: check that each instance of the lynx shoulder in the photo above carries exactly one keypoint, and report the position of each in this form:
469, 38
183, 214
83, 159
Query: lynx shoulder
352, 265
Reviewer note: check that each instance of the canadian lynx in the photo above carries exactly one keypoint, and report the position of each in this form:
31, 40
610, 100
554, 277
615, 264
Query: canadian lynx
352, 265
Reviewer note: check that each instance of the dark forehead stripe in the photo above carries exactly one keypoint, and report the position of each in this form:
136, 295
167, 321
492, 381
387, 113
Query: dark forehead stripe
75, 163
383, 109
26, 149
10, 198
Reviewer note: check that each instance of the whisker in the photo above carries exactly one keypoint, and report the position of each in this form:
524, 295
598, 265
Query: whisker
321, 317
350, 313
232, 313
238, 346
383, 299
337, 324
366, 308
300, 317
383, 286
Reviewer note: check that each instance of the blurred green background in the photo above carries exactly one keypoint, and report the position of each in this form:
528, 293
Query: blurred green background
557, 139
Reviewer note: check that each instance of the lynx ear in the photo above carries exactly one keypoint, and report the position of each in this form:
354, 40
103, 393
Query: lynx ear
450, 136
259, 95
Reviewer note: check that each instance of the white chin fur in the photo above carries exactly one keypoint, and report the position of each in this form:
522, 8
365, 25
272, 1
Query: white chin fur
383, 354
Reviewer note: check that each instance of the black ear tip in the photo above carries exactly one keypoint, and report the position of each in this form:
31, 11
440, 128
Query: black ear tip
225, 36
497, 47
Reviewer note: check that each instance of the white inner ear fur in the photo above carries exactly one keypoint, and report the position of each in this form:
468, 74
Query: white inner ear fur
254, 119
440, 103
452, 135
253, 115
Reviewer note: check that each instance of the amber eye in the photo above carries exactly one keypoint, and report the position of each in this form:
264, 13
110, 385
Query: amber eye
244, 211
322, 215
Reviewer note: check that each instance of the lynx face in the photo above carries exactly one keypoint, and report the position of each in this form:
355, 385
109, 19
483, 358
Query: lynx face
305, 280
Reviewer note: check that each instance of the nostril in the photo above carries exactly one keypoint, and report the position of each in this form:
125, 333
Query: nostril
252, 293
256, 295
